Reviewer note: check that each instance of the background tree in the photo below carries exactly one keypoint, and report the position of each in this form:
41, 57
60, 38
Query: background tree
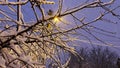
103, 58
97, 57
118, 62
32, 42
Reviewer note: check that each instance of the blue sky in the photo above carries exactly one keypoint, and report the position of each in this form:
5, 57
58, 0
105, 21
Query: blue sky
89, 14
92, 13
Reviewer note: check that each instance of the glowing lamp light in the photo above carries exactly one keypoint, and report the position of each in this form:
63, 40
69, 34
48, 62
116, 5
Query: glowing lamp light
56, 19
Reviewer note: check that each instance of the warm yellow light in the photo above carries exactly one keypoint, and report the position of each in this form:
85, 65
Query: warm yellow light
56, 19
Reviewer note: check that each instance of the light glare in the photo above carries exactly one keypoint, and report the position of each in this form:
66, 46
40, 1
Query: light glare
56, 20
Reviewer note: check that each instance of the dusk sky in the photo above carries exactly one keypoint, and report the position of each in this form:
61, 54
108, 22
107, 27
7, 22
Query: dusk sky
112, 25
92, 13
